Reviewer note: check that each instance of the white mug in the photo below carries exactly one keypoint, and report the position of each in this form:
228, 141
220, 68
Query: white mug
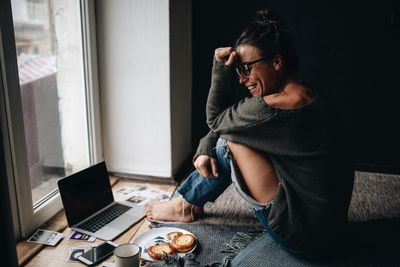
127, 255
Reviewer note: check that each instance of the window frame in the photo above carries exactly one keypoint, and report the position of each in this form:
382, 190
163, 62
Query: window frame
25, 218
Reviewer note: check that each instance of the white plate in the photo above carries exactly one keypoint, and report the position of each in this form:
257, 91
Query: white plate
149, 238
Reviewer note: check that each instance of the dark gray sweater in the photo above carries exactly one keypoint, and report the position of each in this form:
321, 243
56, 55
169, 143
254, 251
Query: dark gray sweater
308, 148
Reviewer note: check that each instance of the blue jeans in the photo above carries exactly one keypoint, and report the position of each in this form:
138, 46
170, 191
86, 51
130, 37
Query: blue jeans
199, 190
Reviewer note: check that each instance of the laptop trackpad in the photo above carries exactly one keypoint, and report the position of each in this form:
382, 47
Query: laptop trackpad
124, 221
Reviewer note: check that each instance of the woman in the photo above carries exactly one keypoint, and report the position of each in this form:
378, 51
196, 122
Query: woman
282, 147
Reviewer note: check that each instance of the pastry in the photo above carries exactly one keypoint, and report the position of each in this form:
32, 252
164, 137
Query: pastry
158, 250
183, 243
173, 235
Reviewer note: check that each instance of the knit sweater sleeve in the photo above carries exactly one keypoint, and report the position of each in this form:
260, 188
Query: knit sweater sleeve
207, 145
225, 116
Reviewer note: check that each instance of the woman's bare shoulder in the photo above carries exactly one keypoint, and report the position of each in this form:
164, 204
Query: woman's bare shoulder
293, 96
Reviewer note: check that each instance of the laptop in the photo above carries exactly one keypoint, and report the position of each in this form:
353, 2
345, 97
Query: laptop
90, 207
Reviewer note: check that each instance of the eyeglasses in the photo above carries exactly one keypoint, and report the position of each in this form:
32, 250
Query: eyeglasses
243, 69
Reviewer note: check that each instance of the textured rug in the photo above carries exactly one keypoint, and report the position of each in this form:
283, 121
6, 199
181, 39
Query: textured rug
375, 196
373, 237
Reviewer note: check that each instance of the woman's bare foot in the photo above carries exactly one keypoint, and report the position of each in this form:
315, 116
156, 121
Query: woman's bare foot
175, 210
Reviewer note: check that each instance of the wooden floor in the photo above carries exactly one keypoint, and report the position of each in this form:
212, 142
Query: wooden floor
31, 254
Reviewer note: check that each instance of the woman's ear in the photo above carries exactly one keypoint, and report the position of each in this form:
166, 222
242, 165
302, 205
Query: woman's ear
277, 62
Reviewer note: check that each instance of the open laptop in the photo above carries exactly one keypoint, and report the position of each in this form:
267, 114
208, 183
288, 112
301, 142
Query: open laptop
90, 207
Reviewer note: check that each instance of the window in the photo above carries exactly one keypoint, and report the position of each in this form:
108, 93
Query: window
52, 130
37, 9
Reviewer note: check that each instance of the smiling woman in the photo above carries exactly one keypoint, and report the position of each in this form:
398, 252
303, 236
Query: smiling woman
282, 147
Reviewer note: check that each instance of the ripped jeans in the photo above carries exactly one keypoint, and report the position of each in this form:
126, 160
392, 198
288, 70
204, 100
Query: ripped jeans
199, 190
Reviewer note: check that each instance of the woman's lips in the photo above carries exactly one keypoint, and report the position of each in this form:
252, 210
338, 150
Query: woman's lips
252, 88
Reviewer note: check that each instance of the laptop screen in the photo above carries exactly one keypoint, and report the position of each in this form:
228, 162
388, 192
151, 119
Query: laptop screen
85, 192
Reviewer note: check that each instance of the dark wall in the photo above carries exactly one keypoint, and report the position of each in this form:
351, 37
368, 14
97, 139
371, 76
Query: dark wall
349, 50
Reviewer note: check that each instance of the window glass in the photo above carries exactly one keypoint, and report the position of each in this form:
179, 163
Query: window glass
49, 49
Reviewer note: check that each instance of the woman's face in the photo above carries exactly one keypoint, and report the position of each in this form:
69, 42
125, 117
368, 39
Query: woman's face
264, 76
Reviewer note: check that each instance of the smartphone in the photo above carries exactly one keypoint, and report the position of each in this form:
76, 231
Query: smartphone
98, 253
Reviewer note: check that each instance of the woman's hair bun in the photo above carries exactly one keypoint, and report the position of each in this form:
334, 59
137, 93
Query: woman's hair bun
268, 17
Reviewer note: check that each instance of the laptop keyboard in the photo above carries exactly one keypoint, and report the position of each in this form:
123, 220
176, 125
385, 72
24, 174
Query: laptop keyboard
103, 218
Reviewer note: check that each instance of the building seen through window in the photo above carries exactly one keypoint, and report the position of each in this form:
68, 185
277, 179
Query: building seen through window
47, 36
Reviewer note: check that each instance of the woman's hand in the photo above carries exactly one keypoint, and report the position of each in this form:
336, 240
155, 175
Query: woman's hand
225, 55
206, 166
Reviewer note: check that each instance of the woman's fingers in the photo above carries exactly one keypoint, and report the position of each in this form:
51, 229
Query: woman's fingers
206, 166
201, 165
222, 54
203, 170
214, 167
231, 59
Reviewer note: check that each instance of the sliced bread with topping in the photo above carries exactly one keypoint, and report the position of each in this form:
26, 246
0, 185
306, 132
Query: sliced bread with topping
158, 250
173, 235
183, 243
